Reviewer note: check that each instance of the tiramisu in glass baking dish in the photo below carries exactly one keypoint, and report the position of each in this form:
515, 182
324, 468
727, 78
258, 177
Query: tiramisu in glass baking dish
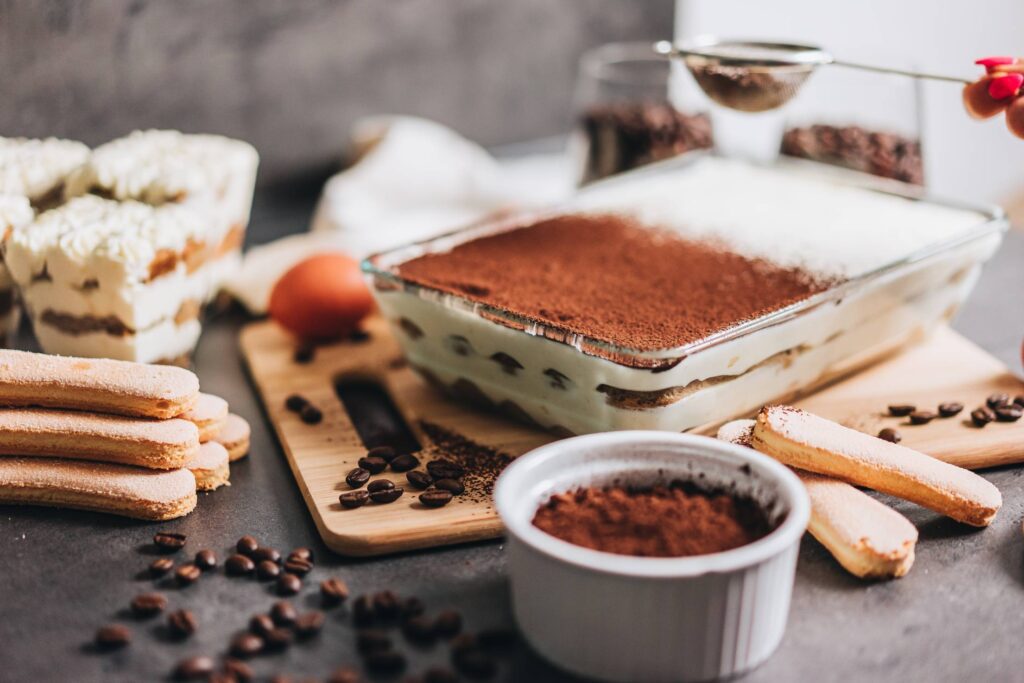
681, 295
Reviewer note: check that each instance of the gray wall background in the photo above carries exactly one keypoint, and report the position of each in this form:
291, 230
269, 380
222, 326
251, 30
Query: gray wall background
291, 76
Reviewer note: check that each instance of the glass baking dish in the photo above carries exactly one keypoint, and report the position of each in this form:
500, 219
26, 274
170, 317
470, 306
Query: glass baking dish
570, 384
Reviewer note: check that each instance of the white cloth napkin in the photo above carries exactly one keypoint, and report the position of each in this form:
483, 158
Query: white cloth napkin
414, 179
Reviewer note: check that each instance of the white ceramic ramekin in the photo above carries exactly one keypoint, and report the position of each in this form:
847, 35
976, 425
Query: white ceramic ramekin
623, 618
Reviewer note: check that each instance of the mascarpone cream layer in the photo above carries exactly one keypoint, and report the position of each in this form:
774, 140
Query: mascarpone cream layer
163, 342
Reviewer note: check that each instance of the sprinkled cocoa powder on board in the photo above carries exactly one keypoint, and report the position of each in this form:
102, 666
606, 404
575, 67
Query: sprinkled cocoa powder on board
677, 520
482, 463
613, 279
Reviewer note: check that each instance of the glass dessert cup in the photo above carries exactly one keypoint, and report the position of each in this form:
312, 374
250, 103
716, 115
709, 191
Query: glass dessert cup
572, 384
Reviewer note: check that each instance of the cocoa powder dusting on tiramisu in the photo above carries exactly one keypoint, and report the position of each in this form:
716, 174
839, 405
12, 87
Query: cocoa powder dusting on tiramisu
613, 280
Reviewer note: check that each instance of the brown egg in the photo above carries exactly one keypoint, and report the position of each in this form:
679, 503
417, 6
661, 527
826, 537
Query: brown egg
1015, 117
321, 298
978, 103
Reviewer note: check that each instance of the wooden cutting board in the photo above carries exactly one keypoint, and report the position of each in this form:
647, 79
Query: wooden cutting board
946, 367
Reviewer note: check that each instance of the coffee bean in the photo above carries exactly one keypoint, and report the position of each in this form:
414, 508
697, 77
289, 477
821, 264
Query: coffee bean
354, 499
112, 637
404, 463
246, 645
298, 566
357, 477
333, 591
412, 607
889, 434
362, 611
310, 414
302, 553
419, 479
205, 560
435, 498
419, 630
372, 640
386, 453
445, 469
182, 623
169, 542
187, 574
950, 409
380, 485
288, 584
239, 565
475, 663
464, 643
497, 639
267, 570
386, 606
996, 400
148, 604
922, 417
283, 613
304, 354
344, 675
385, 663
1009, 413
901, 410
160, 566
277, 639
387, 495
309, 624
261, 624
264, 553
247, 545
982, 416
438, 674
239, 671
448, 624
453, 485
295, 403
194, 668
373, 465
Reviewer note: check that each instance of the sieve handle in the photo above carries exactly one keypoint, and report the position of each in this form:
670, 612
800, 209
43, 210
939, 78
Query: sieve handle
902, 72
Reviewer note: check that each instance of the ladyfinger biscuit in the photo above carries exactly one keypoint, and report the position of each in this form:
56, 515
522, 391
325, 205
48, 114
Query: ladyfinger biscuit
100, 487
210, 466
208, 414
157, 444
235, 437
95, 384
805, 441
869, 539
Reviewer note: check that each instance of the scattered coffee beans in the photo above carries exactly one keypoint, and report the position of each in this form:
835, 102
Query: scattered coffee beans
247, 545
922, 417
419, 479
310, 414
239, 565
891, 435
385, 452
386, 606
261, 624
357, 477
288, 584
419, 630
385, 663
362, 611
283, 613
1009, 413
148, 604
453, 485
435, 498
169, 542
182, 623
405, 462
354, 499
380, 485
267, 570
448, 624
387, 495
266, 553
160, 566
205, 560
302, 553
373, 464
333, 591
982, 416
445, 469
372, 640
195, 668
295, 403
298, 566
277, 639
112, 637
950, 409
412, 607
240, 671
901, 410
996, 400
246, 645
309, 624
187, 574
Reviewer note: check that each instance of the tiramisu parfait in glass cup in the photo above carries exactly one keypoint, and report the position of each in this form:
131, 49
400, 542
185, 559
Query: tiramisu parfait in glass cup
634, 107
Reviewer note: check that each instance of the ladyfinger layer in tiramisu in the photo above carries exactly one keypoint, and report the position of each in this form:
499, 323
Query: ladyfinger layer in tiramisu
115, 279
211, 174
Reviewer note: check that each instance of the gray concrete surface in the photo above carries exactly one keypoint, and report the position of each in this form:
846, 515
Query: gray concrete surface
62, 574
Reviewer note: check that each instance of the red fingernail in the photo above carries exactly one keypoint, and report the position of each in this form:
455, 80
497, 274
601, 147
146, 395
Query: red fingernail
1001, 87
989, 62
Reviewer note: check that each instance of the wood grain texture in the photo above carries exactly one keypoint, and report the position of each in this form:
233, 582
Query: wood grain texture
945, 367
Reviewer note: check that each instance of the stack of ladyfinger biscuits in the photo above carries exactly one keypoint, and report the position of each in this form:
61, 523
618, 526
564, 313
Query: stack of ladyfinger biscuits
111, 436
868, 538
